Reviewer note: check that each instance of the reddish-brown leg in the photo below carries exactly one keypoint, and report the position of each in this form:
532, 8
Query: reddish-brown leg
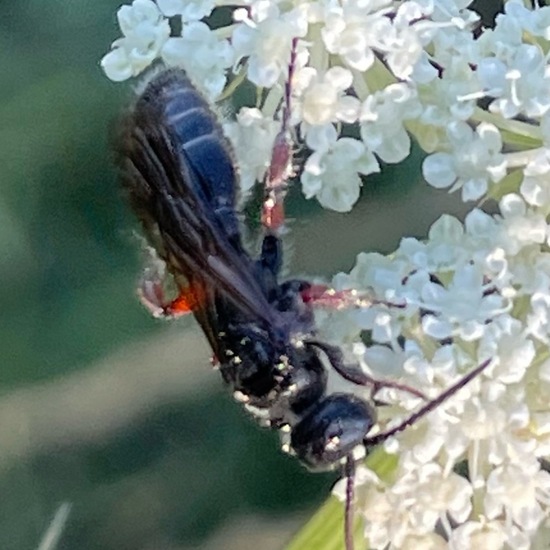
280, 168
324, 296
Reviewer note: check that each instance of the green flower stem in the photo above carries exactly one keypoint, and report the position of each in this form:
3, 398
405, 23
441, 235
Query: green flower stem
325, 530
514, 132
232, 86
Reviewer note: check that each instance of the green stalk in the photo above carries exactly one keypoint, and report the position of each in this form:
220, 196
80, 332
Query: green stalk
325, 530
514, 132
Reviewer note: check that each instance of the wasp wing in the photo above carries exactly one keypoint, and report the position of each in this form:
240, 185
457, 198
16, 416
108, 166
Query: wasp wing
179, 172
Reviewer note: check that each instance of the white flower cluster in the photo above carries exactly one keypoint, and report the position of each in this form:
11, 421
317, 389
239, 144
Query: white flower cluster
369, 76
469, 476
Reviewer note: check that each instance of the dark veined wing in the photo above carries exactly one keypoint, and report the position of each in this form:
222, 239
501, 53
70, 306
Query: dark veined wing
179, 172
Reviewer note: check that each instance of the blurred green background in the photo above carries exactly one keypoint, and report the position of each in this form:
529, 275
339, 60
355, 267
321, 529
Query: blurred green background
101, 406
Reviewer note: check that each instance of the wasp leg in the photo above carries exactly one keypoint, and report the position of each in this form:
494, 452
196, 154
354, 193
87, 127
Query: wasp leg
271, 257
355, 374
428, 407
280, 168
324, 296
151, 295
152, 291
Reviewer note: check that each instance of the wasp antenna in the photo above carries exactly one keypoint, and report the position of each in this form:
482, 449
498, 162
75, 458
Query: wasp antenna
428, 407
349, 472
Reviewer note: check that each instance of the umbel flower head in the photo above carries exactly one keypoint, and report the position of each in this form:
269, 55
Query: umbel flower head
370, 77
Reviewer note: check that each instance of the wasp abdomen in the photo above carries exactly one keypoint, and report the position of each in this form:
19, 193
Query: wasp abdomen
198, 135
200, 138
172, 103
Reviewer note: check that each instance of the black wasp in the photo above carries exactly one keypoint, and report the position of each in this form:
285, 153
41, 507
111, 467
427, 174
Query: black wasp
179, 173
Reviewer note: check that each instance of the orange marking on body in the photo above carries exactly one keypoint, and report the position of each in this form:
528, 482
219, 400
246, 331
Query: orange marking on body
189, 299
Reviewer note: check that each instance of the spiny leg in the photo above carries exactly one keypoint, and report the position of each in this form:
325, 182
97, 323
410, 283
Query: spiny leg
428, 407
280, 168
152, 296
157, 284
325, 296
354, 373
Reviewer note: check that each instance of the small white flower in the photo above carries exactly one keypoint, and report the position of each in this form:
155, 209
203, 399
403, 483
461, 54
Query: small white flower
429, 541
475, 161
190, 10
384, 327
265, 36
536, 21
379, 273
332, 174
518, 490
252, 136
402, 42
382, 116
323, 99
145, 31
450, 97
520, 84
202, 55
352, 29
538, 319
523, 226
414, 504
479, 534
137, 18
535, 187
463, 308
507, 34
507, 341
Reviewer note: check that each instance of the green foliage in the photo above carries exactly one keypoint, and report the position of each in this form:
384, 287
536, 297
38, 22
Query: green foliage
325, 530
